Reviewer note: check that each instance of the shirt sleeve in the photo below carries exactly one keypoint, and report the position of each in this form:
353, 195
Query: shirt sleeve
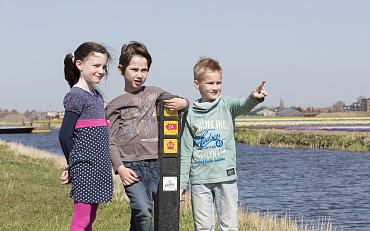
73, 103
186, 153
114, 117
243, 105
166, 95
66, 132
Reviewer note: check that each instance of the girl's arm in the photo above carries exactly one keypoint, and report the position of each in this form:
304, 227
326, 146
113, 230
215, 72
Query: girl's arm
66, 132
66, 142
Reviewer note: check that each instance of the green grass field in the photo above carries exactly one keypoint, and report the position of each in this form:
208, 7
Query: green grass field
32, 199
260, 131
248, 121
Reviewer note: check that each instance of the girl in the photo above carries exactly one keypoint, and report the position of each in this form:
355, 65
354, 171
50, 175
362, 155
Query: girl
84, 134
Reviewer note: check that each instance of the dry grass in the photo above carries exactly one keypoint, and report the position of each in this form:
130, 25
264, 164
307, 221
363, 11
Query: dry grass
34, 153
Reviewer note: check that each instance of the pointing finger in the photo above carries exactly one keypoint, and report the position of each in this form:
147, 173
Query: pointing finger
260, 86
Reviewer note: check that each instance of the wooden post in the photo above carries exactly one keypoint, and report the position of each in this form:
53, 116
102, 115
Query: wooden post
167, 208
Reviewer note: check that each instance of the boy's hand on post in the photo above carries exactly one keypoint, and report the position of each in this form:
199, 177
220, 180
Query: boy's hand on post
259, 93
128, 176
64, 178
176, 104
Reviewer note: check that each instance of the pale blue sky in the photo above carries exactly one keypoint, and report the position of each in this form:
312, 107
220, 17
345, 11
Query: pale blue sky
310, 52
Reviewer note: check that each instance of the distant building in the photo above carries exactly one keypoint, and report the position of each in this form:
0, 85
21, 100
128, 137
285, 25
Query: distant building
355, 106
346, 108
365, 104
317, 109
289, 112
52, 114
262, 111
265, 112
362, 106
61, 115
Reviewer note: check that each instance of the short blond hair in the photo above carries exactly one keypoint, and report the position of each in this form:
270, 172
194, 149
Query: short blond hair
205, 64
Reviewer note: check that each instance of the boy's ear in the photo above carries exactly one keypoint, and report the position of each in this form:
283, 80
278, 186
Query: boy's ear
120, 69
196, 84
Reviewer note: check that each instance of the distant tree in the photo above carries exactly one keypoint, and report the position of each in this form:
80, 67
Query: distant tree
338, 106
281, 104
29, 113
309, 109
301, 109
360, 98
297, 108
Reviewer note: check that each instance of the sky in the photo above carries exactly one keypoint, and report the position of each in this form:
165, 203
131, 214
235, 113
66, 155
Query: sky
310, 52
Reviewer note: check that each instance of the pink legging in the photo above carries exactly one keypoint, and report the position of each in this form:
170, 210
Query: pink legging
83, 216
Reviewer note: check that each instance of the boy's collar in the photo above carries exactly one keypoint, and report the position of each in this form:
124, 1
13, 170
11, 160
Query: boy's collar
201, 101
134, 92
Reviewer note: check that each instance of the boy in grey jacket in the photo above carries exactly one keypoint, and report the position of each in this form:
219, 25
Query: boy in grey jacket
208, 156
133, 133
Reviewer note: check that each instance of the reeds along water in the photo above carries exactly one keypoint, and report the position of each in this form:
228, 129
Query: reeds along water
277, 138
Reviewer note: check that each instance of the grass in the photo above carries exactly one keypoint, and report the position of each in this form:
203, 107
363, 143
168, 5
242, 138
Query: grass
32, 199
357, 141
346, 141
250, 121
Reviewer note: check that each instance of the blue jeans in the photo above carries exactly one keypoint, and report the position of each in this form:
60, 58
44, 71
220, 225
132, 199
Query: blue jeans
143, 193
222, 196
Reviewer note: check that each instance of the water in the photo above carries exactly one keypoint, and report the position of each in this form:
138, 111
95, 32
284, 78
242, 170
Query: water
307, 183
44, 141
304, 183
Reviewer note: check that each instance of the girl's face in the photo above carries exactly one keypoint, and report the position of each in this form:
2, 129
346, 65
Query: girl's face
93, 68
135, 73
209, 86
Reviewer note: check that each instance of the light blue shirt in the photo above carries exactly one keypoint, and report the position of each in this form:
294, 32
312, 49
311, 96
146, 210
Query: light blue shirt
208, 152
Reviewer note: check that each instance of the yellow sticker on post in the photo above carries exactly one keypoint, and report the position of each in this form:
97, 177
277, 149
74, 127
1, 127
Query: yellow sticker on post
167, 112
171, 127
170, 146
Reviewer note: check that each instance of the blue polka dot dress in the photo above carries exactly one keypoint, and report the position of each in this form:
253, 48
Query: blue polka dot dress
90, 167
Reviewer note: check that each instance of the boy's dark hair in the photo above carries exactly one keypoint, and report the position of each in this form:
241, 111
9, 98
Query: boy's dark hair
205, 64
129, 50
71, 72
